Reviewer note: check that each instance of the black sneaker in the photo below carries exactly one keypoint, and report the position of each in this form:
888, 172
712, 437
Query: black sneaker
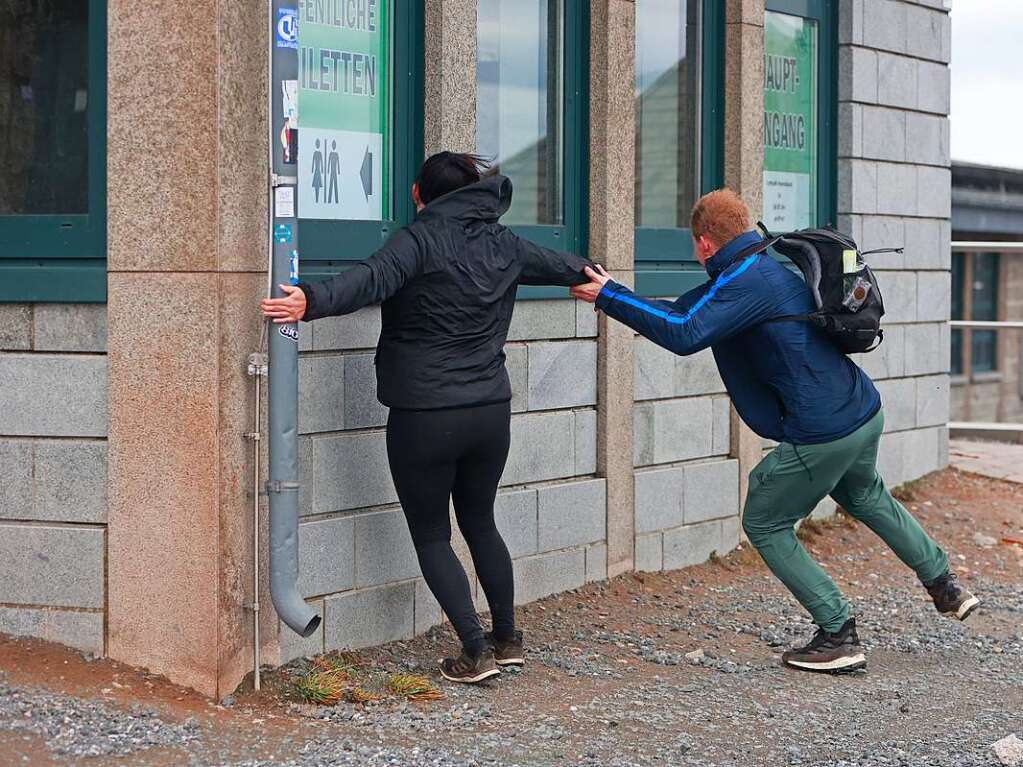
950, 598
829, 652
508, 652
468, 669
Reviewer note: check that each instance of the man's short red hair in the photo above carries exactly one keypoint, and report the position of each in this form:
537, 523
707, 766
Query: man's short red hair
720, 216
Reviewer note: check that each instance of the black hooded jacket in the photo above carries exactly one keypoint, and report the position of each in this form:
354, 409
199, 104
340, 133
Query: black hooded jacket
447, 287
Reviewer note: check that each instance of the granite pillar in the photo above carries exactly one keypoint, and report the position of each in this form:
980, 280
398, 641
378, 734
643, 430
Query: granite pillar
186, 261
744, 159
612, 168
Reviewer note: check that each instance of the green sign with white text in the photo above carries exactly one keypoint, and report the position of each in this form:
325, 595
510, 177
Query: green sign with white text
790, 121
343, 108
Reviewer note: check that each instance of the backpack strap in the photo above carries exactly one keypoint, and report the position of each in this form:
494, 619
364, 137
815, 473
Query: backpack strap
754, 248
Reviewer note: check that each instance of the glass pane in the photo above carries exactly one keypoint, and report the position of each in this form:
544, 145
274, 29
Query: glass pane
985, 307
667, 111
344, 109
958, 275
44, 71
985, 286
957, 351
790, 122
519, 98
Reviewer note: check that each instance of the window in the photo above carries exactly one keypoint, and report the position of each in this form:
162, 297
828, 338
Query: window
975, 295
799, 114
520, 80
678, 91
531, 71
360, 145
53, 150
667, 112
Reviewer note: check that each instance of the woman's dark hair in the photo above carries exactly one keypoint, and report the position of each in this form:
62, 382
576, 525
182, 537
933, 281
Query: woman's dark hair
447, 171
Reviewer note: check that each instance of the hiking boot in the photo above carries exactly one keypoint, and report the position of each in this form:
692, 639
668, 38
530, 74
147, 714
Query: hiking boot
508, 652
950, 598
469, 669
831, 652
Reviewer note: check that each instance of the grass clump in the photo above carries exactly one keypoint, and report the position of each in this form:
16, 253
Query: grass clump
413, 687
321, 688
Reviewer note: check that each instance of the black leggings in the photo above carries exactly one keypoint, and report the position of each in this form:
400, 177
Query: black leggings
458, 454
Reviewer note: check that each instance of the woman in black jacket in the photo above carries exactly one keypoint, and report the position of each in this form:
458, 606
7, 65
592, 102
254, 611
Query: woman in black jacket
446, 284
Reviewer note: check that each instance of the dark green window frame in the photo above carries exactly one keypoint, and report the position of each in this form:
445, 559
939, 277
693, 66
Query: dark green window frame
572, 234
321, 256
62, 258
664, 261
825, 14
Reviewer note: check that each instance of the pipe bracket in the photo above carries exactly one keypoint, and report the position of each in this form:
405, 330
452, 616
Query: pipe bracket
277, 486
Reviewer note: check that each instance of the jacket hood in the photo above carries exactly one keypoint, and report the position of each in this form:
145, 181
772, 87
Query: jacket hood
727, 252
486, 200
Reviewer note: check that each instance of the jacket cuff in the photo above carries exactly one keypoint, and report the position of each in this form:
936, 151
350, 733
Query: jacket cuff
607, 293
310, 301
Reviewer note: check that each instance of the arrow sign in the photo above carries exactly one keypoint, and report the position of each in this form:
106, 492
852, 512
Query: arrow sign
366, 174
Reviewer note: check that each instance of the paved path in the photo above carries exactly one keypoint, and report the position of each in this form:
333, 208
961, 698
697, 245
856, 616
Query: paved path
1000, 460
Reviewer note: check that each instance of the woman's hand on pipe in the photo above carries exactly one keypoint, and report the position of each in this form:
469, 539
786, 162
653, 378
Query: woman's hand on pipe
291, 308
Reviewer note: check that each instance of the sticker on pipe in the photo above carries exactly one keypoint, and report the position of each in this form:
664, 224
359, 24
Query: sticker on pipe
287, 28
289, 331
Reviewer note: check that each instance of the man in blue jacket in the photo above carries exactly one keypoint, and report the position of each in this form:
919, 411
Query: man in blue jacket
789, 383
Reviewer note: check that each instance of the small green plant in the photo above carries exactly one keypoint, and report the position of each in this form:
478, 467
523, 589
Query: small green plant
413, 687
322, 688
361, 696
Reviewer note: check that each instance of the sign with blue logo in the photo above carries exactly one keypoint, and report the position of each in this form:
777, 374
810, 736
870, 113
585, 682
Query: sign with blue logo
282, 234
287, 28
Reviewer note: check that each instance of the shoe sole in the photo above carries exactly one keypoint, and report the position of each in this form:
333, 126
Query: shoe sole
965, 609
837, 666
511, 662
472, 679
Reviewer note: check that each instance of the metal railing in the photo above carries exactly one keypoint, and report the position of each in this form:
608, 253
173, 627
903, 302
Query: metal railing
1006, 381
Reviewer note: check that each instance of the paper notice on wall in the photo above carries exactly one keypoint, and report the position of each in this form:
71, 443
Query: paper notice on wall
787, 200
284, 202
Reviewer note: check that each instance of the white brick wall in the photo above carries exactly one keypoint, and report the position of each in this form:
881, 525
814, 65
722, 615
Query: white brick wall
53, 472
894, 189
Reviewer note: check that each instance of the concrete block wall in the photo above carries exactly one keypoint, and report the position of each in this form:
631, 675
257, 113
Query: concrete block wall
894, 189
53, 472
357, 562
687, 486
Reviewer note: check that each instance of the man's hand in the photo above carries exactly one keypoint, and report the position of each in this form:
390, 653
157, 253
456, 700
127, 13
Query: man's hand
591, 289
291, 308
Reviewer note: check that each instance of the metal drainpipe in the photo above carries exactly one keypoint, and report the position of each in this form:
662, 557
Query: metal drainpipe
257, 369
282, 488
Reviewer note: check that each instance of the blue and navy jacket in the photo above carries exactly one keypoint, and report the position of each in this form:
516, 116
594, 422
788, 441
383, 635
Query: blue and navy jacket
788, 380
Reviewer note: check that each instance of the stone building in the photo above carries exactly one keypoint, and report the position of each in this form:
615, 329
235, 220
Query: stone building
133, 249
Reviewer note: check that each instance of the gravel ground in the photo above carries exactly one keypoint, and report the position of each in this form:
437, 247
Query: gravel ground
666, 669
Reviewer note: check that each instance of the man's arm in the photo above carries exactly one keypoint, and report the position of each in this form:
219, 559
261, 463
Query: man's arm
543, 266
367, 283
728, 306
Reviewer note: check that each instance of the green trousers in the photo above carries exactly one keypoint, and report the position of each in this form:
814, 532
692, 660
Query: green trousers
789, 483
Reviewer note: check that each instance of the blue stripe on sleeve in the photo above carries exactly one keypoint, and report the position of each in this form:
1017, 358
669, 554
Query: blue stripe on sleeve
673, 317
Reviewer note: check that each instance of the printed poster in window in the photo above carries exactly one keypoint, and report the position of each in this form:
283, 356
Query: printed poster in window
790, 122
344, 118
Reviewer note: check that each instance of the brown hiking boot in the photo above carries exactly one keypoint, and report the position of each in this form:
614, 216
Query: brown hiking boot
468, 669
950, 598
508, 652
829, 652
